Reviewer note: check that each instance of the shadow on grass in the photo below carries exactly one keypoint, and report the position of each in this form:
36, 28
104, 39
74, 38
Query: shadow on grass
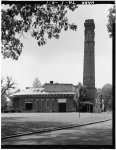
75, 136
11, 128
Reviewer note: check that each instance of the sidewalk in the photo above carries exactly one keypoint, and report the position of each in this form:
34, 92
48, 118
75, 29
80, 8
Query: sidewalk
94, 134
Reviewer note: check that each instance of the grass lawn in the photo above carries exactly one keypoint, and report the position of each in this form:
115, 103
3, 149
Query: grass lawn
15, 123
10, 128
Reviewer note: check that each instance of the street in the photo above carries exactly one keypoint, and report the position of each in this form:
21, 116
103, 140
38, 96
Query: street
95, 134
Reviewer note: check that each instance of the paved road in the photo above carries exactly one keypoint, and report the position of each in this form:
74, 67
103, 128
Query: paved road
96, 134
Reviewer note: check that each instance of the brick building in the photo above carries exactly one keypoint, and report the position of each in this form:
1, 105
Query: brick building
52, 98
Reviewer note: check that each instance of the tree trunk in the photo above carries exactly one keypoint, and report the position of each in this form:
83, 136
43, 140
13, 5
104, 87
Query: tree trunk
79, 109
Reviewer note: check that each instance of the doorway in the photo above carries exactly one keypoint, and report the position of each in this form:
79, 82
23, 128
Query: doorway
62, 107
28, 106
91, 108
83, 108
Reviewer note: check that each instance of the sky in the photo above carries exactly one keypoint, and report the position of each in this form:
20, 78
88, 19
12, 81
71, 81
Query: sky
61, 60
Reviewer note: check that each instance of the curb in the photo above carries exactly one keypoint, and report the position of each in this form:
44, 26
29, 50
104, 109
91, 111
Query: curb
54, 129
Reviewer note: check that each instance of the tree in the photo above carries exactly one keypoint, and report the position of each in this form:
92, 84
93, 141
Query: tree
107, 96
98, 91
36, 83
7, 85
41, 21
99, 98
104, 96
80, 92
111, 20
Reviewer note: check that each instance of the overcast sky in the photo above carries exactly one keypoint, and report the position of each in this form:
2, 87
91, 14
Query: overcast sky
62, 60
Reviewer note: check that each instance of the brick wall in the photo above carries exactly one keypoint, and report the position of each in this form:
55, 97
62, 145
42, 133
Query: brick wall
16, 103
21, 103
89, 59
43, 107
40, 104
91, 94
59, 88
70, 105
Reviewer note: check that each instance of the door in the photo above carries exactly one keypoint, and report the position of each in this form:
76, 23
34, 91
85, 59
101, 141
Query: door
28, 106
91, 108
62, 107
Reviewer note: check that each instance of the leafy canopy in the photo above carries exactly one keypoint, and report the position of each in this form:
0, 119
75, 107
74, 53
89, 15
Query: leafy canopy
80, 92
41, 21
106, 94
111, 20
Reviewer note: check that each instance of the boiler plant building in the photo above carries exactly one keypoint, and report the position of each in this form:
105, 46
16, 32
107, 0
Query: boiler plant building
54, 97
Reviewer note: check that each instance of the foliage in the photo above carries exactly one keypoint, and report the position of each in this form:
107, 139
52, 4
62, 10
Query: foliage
111, 20
80, 92
99, 97
36, 83
7, 84
107, 96
98, 92
41, 21
3, 102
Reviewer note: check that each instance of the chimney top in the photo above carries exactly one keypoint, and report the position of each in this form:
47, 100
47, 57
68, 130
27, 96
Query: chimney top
89, 22
51, 82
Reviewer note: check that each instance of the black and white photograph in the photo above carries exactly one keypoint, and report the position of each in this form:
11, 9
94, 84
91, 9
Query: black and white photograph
57, 74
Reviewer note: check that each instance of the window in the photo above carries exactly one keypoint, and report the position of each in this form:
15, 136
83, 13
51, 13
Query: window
37, 102
42, 103
28, 100
52, 102
47, 103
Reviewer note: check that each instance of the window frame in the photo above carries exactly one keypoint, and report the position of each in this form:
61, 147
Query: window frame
42, 103
37, 103
47, 103
28, 101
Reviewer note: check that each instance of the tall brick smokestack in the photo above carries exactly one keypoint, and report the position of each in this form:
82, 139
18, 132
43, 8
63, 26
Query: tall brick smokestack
89, 60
